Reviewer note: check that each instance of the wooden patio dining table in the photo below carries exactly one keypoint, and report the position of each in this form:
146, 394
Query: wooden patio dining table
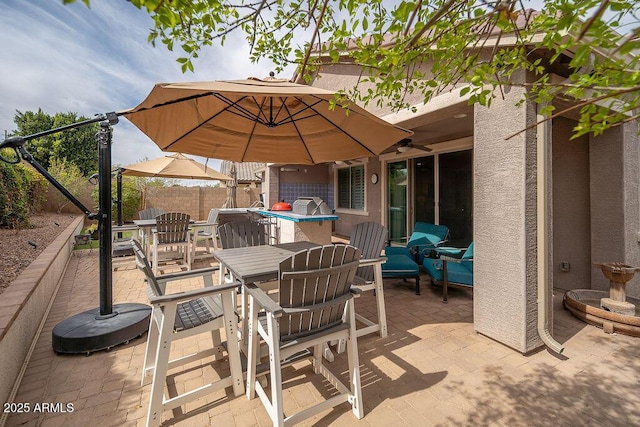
257, 263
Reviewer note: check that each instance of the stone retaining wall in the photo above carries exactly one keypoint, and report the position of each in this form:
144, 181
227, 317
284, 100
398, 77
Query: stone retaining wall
24, 304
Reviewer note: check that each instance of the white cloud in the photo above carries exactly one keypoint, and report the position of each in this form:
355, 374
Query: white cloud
91, 61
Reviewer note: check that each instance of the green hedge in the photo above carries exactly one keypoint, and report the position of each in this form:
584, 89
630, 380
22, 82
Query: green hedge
22, 190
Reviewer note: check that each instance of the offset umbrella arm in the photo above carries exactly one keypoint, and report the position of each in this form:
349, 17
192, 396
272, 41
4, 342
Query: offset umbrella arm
17, 143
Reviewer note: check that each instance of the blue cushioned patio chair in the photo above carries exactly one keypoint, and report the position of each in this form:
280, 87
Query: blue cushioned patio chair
401, 266
447, 271
425, 237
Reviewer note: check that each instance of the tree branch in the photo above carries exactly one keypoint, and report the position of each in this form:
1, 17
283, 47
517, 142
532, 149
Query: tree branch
594, 17
577, 106
312, 42
436, 16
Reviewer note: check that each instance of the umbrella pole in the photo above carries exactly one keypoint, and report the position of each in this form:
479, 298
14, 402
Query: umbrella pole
107, 326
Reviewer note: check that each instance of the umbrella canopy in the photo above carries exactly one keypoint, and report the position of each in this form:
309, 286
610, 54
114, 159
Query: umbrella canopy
260, 121
174, 166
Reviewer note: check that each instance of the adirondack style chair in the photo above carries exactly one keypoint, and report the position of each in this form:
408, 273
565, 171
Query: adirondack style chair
171, 231
315, 307
241, 234
150, 213
181, 315
206, 233
371, 238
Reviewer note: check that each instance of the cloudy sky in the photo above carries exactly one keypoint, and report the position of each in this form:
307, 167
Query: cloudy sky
89, 61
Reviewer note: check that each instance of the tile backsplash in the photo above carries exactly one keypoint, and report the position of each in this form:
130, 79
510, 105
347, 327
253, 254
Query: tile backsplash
290, 192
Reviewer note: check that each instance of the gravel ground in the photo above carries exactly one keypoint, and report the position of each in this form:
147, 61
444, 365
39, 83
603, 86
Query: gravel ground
18, 248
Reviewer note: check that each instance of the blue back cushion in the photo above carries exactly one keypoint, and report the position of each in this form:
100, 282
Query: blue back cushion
427, 236
469, 252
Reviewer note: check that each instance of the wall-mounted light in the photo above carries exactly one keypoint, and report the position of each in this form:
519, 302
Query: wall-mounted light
459, 116
289, 170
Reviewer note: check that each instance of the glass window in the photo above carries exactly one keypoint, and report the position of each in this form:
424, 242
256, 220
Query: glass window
351, 187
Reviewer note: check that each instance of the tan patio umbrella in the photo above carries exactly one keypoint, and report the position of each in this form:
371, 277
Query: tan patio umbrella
174, 166
254, 120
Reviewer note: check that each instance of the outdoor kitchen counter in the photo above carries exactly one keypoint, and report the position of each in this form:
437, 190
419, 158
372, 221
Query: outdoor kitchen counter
296, 227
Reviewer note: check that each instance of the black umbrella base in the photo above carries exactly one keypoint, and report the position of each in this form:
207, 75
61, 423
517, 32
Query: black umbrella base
89, 331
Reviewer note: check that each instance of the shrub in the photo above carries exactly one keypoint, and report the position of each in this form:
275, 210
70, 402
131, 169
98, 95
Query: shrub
37, 189
13, 196
130, 199
69, 175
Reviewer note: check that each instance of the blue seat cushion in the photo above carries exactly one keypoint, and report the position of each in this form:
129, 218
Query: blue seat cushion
400, 266
457, 271
397, 250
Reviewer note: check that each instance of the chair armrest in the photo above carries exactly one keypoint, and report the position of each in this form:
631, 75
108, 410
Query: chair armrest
196, 293
372, 261
318, 306
187, 274
264, 300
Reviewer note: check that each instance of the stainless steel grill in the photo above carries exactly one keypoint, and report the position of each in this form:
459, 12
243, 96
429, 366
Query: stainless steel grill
311, 206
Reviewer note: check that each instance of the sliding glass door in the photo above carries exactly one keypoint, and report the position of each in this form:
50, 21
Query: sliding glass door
437, 189
397, 180
455, 173
424, 193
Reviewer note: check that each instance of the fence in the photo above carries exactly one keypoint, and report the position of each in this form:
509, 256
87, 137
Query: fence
196, 201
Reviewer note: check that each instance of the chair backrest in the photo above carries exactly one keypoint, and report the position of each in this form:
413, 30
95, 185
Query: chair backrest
173, 227
469, 252
428, 235
241, 234
150, 213
316, 284
370, 238
153, 288
212, 218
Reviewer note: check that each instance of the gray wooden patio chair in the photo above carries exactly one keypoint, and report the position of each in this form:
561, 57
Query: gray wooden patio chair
315, 307
171, 231
181, 315
207, 233
371, 238
242, 234
150, 213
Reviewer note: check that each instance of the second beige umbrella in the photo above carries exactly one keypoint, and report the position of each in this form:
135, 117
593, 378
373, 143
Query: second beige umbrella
174, 166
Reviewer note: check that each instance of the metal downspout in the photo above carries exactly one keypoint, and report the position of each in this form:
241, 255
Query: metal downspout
542, 158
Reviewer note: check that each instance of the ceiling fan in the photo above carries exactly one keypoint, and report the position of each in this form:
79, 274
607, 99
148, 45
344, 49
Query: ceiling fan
407, 144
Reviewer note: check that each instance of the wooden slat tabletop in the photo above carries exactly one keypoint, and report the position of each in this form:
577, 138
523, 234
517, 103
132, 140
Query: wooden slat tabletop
258, 263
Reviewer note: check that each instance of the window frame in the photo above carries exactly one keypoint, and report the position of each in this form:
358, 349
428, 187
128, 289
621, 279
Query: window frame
351, 209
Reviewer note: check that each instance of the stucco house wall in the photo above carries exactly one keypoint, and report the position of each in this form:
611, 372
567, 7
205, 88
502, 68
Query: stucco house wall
504, 223
374, 196
571, 208
615, 203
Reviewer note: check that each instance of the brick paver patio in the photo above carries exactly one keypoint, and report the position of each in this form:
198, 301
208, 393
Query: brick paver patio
432, 369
